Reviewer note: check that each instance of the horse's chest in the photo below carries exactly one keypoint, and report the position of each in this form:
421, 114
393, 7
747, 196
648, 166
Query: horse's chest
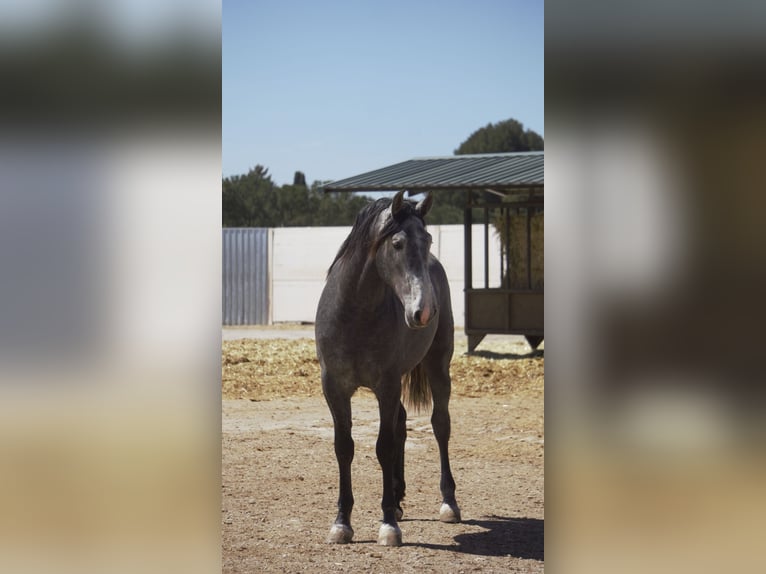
387, 354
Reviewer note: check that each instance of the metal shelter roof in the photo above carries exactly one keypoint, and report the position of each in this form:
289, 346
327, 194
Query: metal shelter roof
496, 171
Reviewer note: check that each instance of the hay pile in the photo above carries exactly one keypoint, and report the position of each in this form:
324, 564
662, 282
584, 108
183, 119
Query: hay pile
258, 369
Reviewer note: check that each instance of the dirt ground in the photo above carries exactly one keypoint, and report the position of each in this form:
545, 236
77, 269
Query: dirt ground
279, 475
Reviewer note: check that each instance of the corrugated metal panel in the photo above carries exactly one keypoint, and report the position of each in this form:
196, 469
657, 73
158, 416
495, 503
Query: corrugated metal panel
500, 171
245, 276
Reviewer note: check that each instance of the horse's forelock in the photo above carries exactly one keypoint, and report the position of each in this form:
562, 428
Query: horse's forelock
392, 223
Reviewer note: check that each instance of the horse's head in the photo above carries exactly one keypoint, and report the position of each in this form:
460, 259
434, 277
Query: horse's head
402, 258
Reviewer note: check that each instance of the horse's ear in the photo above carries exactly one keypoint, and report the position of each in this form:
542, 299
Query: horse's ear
424, 205
397, 203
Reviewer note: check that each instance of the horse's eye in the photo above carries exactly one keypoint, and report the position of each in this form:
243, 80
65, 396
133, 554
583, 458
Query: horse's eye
397, 243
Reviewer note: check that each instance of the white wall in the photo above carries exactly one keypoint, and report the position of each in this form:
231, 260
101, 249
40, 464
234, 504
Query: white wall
302, 255
301, 258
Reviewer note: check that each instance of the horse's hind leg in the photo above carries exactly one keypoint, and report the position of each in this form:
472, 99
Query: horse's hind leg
438, 375
400, 439
340, 407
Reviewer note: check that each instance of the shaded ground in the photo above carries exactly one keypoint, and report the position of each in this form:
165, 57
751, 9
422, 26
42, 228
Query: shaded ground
280, 475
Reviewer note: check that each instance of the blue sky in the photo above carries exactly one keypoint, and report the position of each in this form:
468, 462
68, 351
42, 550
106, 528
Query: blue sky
334, 88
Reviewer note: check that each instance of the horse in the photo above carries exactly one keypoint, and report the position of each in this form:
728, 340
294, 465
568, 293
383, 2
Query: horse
384, 322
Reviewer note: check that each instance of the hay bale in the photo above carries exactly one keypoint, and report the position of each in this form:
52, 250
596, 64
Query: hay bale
516, 275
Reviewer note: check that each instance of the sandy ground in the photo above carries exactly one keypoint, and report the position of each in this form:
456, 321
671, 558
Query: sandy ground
280, 476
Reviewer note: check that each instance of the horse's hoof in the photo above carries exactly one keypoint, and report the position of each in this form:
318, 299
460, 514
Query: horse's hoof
399, 513
449, 513
340, 534
389, 535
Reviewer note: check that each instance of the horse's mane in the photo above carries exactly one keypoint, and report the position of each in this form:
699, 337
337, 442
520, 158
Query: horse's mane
363, 235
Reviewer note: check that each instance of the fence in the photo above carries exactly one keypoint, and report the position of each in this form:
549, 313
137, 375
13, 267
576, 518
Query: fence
245, 265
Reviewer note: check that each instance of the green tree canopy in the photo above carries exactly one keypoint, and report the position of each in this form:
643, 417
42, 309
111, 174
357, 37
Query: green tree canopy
505, 136
253, 200
249, 200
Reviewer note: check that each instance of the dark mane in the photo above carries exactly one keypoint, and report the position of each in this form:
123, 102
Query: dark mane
364, 238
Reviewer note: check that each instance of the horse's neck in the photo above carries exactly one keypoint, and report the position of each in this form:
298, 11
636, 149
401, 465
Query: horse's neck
360, 285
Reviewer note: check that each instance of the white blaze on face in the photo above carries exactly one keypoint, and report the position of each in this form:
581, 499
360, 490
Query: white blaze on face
418, 303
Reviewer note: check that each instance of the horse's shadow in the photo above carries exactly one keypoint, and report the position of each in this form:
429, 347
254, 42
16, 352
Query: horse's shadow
502, 536
512, 356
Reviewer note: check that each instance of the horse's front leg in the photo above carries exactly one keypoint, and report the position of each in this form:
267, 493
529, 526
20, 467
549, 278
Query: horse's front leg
400, 438
340, 407
386, 449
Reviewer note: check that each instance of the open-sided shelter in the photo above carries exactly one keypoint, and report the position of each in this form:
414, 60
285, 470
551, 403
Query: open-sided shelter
504, 191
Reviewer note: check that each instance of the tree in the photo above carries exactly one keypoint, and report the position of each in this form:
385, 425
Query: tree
253, 200
338, 208
296, 203
505, 136
299, 178
249, 200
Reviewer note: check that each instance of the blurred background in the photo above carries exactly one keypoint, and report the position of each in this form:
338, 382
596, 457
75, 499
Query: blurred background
110, 315
654, 264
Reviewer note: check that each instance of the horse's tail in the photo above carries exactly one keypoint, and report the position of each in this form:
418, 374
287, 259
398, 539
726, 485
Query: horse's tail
416, 388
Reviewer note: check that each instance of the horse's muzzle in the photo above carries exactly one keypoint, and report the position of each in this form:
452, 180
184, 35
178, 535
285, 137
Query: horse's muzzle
421, 317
